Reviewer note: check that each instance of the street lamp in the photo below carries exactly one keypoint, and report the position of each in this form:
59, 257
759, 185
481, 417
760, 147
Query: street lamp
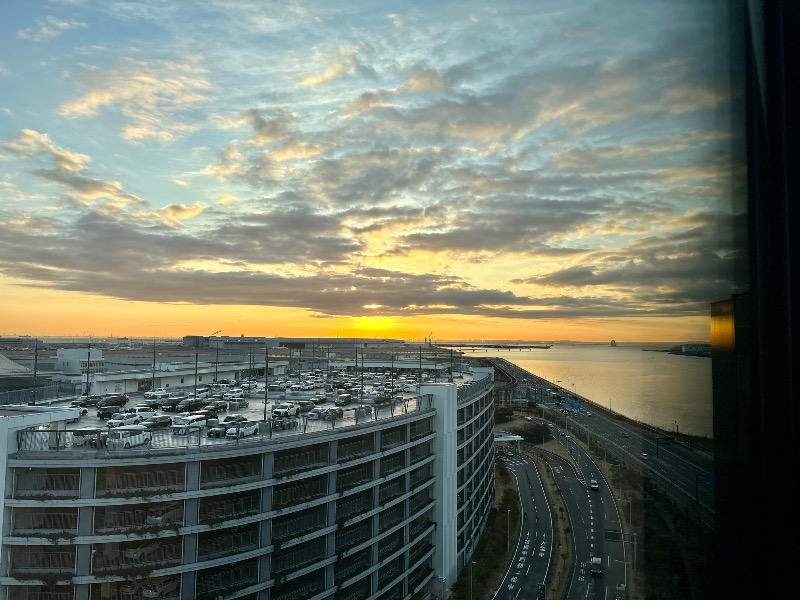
508, 531
472, 562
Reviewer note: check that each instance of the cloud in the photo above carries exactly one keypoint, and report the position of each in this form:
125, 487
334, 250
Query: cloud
172, 214
65, 169
341, 61
396, 20
49, 28
153, 96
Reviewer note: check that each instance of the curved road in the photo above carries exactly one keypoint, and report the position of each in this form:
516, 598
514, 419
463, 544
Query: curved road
533, 550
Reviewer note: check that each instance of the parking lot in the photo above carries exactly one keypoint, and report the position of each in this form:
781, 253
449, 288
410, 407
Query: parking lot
255, 412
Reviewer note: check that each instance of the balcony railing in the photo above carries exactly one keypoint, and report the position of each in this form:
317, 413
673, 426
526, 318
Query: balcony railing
137, 559
391, 517
216, 475
39, 522
355, 449
290, 494
392, 439
297, 525
293, 462
296, 590
30, 594
351, 478
217, 544
45, 485
142, 483
295, 558
352, 536
348, 568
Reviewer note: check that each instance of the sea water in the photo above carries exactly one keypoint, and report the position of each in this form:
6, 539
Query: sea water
669, 391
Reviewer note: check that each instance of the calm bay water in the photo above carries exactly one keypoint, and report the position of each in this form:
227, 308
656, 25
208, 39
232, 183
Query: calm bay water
656, 388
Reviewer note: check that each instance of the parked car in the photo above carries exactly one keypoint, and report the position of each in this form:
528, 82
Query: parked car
182, 424
285, 410
128, 436
217, 405
200, 393
144, 412
120, 419
86, 401
305, 405
242, 429
233, 394
118, 400
316, 413
243, 403
157, 422
151, 402
170, 403
106, 412
219, 430
333, 412
284, 423
189, 405
156, 393
86, 436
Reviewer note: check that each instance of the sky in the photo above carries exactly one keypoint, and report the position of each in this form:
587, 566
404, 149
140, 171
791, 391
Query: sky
532, 170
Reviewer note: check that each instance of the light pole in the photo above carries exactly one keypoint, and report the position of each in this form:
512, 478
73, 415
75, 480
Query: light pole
508, 531
266, 378
472, 562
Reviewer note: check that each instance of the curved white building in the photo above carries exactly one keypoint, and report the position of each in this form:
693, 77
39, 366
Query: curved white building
388, 507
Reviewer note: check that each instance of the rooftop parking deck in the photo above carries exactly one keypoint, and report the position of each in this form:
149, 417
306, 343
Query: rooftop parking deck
38, 443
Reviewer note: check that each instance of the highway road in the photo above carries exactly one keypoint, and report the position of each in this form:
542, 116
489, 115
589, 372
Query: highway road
534, 547
686, 475
595, 522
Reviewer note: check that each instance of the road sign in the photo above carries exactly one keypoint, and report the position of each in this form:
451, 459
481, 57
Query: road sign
710, 478
613, 535
666, 441
541, 592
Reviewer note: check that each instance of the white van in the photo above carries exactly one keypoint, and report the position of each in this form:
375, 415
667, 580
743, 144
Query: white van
183, 424
128, 436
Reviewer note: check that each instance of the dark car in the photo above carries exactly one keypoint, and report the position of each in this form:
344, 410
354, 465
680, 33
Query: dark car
106, 412
86, 401
157, 422
120, 400
208, 413
170, 404
333, 412
219, 430
216, 405
189, 405
151, 402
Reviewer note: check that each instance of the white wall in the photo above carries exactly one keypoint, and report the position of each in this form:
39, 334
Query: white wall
445, 401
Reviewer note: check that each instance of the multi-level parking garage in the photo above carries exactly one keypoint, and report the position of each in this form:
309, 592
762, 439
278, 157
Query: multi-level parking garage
383, 507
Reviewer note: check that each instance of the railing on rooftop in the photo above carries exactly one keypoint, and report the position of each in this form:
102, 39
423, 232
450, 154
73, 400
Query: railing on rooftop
472, 389
43, 443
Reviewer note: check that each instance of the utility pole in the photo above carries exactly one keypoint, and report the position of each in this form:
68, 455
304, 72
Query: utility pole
266, 378
35, 367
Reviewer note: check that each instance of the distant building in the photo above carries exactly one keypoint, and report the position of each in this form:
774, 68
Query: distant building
696, 349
